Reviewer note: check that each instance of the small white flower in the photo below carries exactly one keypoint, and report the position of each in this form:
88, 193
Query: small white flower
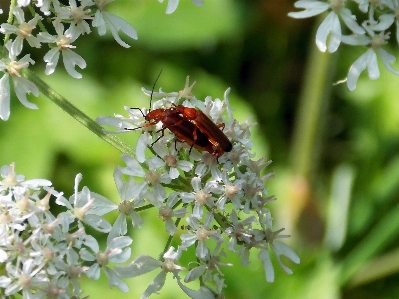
87, 207
44, 6
201, 232
23, 31
127, 192
22, 86
117, 251
369, 58
144, 264
62, 42
16, 183
201, 197
166, 212
28, 279
330, 27
114, 22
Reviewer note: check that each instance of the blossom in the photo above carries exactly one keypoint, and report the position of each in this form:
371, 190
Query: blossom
28, 279
63, 42
22, 86
116, 252
369, 58
200, 196
167, 211
23, 31
77, 15
331, 26
114, 22
44, 256
200, 233
144, 264
16, 183
152, 188
128, 194
87, 207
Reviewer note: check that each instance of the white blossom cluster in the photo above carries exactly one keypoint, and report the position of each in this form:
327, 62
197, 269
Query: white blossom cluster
43, 255
213, 204
380, 16
26, 30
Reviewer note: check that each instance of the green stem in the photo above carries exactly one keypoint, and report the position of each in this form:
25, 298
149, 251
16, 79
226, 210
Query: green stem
63, 103
308, 120
10, 19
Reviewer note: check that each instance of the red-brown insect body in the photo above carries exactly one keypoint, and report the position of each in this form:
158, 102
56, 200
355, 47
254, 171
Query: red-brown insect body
184, 130
212, 131
191, 126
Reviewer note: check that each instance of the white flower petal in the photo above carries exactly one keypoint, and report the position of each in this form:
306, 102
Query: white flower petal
115, 24
284, 249
156, 285
142, 143
45, 37
172, 5
359, 66
51, 59
267, 265
143, 264
99, 22
372, 67
387, 58
330, 26
312, 8
22, 87
4, 97
350, 21
71, 59
385, 22
120, 242
115, 280
16, 47
202, 293
355, 39
19, 14
174, 173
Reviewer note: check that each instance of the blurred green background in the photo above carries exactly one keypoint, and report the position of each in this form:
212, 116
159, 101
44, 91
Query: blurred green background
335, 153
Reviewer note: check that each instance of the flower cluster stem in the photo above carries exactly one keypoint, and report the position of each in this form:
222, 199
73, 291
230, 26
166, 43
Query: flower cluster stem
77, 114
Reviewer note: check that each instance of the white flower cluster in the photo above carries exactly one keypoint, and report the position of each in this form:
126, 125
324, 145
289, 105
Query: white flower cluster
78, 16
207, 201
373, 32
43, 255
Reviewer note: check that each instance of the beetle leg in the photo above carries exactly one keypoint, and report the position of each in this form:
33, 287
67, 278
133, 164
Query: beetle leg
163, 134
222, 125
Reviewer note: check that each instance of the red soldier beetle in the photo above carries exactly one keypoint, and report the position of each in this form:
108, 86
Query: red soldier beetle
184, 129
219, 140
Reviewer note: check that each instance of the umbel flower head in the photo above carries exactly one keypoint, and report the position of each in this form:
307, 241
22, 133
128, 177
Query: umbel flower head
374, 32
44, 255
215, 196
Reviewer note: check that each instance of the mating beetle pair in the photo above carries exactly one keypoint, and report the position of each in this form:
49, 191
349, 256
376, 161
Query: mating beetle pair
191, 126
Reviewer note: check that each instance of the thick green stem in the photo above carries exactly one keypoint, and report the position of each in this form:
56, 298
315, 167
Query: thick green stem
63, 103
308, 120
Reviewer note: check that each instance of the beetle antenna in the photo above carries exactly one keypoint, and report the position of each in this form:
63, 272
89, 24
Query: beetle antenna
152, 91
